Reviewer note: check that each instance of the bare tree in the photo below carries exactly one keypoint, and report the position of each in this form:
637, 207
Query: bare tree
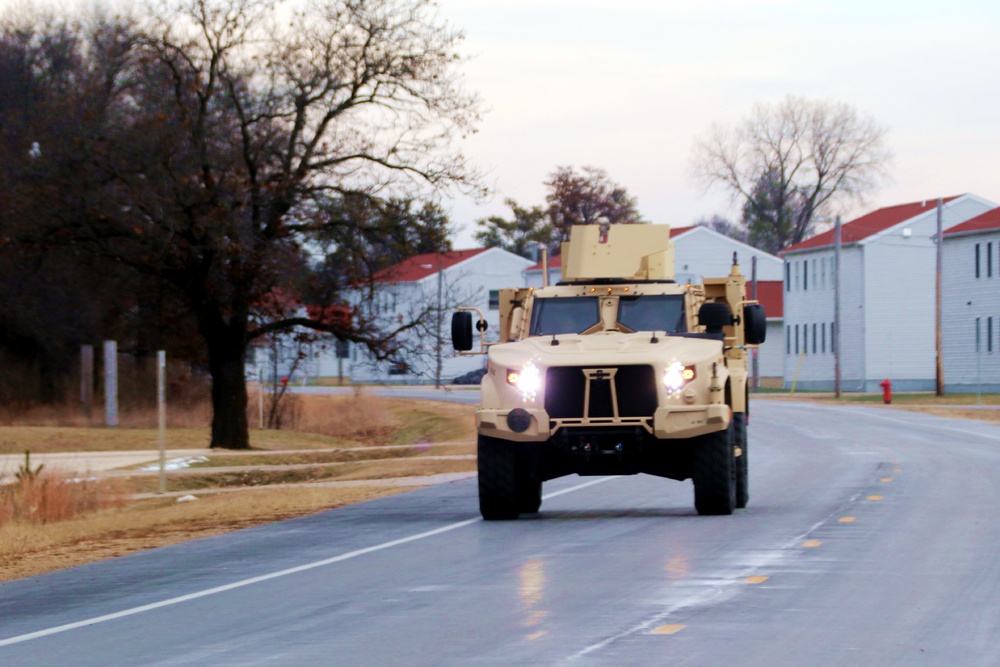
225, 132
788, 162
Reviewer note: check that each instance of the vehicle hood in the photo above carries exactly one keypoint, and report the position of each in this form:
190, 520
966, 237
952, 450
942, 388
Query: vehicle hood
606, 349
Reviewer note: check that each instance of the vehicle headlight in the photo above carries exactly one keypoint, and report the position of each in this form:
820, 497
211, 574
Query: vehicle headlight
676, 375
527, 380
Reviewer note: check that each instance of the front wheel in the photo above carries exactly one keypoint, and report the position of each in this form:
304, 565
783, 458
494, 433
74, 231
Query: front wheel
529, 495
714, 472
498, 479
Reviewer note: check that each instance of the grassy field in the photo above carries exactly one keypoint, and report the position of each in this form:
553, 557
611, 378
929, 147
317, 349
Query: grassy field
338, 444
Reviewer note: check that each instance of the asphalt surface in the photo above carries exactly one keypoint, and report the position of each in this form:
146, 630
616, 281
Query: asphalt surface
870, 539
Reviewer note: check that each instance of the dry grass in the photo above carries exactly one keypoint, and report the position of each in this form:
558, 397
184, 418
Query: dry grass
358, 423
26, 550
48, 498
950, 405
325, 422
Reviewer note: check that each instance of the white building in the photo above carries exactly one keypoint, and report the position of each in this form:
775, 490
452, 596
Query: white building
970, 305
436, 281
701, 252
887, 307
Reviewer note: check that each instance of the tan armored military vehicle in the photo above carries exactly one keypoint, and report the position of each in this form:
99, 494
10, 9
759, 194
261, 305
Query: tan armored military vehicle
617, 370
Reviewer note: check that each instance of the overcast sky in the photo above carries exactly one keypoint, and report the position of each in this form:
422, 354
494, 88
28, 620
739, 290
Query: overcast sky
626, 85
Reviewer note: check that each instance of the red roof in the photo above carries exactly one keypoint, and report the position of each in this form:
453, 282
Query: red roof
868, 225
419, 267
983, 222
771, 295
556, 261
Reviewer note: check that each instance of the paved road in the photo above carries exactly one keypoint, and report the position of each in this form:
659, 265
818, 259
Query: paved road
871, 539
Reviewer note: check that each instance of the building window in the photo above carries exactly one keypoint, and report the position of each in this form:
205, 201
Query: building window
977, 261
788, 277
798, 271
989, 260
822, 337
989, 334
814, 339
788, 337
494, 299
833, 338
796, 339
805, 276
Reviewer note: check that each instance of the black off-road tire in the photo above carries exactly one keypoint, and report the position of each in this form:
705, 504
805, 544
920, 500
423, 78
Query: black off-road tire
714, 473
529, 495
742, 462
498, 488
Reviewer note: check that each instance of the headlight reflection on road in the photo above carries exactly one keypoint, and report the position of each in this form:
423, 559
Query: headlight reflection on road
531, 592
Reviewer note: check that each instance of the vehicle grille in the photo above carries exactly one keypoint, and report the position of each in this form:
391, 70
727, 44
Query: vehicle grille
566, 391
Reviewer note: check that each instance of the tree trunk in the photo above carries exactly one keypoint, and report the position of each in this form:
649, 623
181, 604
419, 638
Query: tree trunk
227, 344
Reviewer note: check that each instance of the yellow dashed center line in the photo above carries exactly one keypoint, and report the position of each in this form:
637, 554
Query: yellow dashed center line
811, 543
756, 580
887, 479
672, 629
897, 470
875, 497
846, 519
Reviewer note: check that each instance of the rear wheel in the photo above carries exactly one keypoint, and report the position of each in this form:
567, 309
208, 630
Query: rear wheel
498, 488
714, 472
742, 463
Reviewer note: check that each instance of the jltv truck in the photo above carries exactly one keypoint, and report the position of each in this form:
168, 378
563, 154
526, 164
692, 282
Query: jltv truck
617, 370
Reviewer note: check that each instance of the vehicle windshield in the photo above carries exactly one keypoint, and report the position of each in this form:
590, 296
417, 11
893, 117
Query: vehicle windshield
573, 314
659, 312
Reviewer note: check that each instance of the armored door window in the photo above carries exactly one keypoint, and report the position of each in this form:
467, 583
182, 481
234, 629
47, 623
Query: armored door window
573, 314
652, 312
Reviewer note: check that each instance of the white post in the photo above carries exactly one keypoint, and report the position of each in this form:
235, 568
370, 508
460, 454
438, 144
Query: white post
161, 403
111, 383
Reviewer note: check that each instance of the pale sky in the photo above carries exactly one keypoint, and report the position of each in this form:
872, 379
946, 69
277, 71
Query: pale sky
627, 85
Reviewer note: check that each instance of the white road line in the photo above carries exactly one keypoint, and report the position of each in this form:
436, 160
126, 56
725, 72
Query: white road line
266, 577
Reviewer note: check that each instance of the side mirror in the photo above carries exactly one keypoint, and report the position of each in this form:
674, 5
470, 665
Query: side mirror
713, 315
754, 324
461, 330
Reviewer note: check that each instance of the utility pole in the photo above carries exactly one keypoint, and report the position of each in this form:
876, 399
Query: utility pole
439, 362
939, 363
755, 378
836, 307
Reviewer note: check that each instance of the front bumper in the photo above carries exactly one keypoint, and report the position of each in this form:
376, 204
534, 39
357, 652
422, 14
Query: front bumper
674, 422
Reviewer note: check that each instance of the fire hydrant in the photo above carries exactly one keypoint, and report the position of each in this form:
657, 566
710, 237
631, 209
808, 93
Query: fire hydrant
886, 385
